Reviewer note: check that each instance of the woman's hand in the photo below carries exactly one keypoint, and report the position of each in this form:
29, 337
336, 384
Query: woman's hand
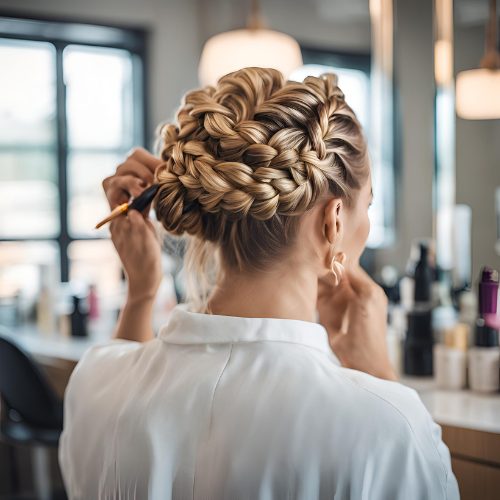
131, 178
134, 236
135, 241
354, 314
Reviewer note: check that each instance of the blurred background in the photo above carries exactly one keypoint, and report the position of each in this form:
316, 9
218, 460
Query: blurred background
81, 83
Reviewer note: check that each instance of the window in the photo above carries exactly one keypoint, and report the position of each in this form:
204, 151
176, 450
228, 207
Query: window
71, 106
353, 71
99, 114
29, 200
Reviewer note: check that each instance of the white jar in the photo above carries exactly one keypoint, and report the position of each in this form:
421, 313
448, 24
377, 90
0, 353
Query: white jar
450, 367
484, 369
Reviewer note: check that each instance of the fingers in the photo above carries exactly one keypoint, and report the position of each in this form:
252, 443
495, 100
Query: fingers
135, 167
359, 279
144, 157
338, 299
136, 219
131, 177
134, 186
125, 227
118, 229
363, 285
119, 188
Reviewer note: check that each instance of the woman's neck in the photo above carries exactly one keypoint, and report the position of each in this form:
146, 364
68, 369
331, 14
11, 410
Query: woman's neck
280, 294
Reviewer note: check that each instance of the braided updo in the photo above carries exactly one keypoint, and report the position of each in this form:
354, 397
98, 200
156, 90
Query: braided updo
250, 156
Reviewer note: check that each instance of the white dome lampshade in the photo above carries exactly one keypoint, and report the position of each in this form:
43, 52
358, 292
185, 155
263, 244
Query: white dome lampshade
478, 94
234, 50
478, 90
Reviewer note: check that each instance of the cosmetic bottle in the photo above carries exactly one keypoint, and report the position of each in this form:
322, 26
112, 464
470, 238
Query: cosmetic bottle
484, 357
419, 338
423, 280
488, 296
396, 330
407, 293
418, 344
450, 359
46, 320
93, 303
468, 314
79, 318
444, 319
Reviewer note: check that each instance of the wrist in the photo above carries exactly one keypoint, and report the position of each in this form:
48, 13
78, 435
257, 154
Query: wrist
143, 299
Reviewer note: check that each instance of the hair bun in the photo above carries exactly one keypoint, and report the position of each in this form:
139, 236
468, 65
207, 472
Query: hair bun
256, 147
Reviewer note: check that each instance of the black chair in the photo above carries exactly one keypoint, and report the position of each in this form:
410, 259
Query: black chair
35, 416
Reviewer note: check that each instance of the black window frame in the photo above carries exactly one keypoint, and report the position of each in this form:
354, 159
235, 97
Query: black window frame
61, 33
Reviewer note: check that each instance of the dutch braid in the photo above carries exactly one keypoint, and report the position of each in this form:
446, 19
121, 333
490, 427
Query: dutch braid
256, 149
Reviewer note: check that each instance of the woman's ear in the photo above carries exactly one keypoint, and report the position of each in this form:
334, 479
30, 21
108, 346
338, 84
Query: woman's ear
331, 221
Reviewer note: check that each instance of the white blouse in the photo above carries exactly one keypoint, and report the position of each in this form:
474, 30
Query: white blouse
222, 407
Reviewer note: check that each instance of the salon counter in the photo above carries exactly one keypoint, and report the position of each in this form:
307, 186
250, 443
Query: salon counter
470, 421
471, 430
51, 346
465, 409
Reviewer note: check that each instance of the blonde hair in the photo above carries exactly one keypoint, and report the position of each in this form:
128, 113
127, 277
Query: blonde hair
246, 160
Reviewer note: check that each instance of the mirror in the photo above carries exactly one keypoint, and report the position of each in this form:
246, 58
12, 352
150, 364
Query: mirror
477, 144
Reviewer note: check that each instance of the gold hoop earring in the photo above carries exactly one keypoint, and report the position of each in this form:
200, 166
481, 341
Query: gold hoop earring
337, 267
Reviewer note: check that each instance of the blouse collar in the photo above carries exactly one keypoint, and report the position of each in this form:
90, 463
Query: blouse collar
185, 327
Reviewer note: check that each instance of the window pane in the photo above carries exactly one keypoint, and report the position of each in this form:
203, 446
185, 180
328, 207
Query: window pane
29, 198
87, 203
99, 97
28, 96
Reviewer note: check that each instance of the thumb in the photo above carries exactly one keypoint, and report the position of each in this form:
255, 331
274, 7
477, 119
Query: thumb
359, 280
136, 218
333, 305
140, 222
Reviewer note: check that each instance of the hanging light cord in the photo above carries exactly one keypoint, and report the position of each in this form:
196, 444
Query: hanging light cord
256, 19
491, 59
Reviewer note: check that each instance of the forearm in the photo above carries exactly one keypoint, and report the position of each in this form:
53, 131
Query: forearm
134, 322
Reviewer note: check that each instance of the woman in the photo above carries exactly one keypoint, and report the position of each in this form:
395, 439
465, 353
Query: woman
241, 396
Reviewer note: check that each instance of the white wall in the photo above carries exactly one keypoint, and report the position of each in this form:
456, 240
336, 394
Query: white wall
339, 24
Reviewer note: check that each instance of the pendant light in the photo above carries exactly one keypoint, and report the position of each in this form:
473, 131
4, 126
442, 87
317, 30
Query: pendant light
478, 90
254, 46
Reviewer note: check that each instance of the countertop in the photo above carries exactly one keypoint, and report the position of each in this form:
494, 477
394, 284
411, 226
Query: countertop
52, 345
466, 409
